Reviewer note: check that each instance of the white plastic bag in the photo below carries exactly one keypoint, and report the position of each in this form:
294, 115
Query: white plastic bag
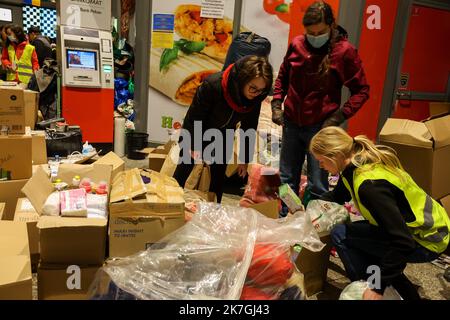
325, 215
355, 291
52, 206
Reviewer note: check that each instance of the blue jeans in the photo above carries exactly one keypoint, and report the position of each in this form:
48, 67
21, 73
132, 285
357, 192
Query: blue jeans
294, 149
361, 245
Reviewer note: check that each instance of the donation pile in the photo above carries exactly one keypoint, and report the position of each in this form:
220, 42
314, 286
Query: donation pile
219, 254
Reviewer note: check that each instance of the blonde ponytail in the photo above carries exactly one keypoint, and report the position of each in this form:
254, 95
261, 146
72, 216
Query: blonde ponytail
336, 145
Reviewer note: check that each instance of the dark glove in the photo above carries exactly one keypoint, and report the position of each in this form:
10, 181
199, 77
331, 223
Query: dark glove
335, 119
277, 113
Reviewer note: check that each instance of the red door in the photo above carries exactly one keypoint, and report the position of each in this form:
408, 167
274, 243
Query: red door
425, 70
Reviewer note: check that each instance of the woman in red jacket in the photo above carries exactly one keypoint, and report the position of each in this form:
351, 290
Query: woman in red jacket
18, 56
316, 67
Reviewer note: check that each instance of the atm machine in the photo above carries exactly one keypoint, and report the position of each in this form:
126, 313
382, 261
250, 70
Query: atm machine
87, 63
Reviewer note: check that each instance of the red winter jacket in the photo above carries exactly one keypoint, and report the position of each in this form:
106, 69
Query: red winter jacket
306, 102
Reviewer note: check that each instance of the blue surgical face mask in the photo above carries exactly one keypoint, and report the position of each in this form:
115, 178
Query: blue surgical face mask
318, 41
12, 38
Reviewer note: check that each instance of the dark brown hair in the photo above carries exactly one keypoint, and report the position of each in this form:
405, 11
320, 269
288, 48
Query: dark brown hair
316, 13
251, 67
20, 35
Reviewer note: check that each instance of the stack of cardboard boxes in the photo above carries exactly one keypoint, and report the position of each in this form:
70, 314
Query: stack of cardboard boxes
71, 249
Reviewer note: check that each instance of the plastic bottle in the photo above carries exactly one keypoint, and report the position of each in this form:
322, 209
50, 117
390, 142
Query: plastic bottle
86, 185
54, 167
102, 188
76, 181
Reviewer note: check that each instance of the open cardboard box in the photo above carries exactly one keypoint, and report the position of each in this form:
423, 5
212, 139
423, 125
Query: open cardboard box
26, 213
423, 149
268, 208
15, 266
118, 165
140, 214
157, 156
66, 240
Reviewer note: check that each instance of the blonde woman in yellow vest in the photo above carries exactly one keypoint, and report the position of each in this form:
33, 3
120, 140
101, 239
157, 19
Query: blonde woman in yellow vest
19, 57
402, 223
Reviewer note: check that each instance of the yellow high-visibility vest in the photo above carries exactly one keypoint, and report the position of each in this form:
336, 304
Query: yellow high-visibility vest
24, 66
432, 224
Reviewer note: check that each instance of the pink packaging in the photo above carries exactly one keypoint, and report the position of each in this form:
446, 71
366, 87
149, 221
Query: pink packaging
73, 203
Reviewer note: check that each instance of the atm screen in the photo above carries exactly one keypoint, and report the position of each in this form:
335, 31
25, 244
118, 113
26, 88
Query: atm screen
81, 59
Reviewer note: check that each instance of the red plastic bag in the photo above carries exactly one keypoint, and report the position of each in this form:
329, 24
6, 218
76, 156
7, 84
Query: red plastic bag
262, 186
271, 265
250, 293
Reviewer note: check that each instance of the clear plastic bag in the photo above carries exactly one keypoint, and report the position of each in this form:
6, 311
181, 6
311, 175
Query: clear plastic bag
355, 291
325, 215
208, 258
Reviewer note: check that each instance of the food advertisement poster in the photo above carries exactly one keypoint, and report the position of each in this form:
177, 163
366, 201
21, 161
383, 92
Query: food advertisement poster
200, 46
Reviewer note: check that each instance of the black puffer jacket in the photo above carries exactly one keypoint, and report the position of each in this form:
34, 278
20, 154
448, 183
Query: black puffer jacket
211, 108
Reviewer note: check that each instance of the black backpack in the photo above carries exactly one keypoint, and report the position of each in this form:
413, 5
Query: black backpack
245, 44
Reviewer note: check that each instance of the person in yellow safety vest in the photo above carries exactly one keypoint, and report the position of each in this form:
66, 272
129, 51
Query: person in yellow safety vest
19, 57
402, 223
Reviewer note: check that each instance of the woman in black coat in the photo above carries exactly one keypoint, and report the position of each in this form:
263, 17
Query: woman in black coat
222, 101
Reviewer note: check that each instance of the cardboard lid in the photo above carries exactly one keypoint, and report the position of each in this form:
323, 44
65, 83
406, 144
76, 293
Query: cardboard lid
406, 132
111, 159
47, 222
14, 269
439, 127
38, 189
13, 239
127, 185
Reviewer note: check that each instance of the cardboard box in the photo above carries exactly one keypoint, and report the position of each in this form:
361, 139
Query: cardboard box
72, 240
423, 149
269, 209
12, 109
65, 282
31, 105
157, 156
15, 157
39, 147
69, 240
446, 204
10, 191
2, 209
314, 266
138, 219
15, 275
438, 108
118, 165
26, 213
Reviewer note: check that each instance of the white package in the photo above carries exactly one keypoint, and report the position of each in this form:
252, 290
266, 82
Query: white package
52, 205
97, 206
73, 203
